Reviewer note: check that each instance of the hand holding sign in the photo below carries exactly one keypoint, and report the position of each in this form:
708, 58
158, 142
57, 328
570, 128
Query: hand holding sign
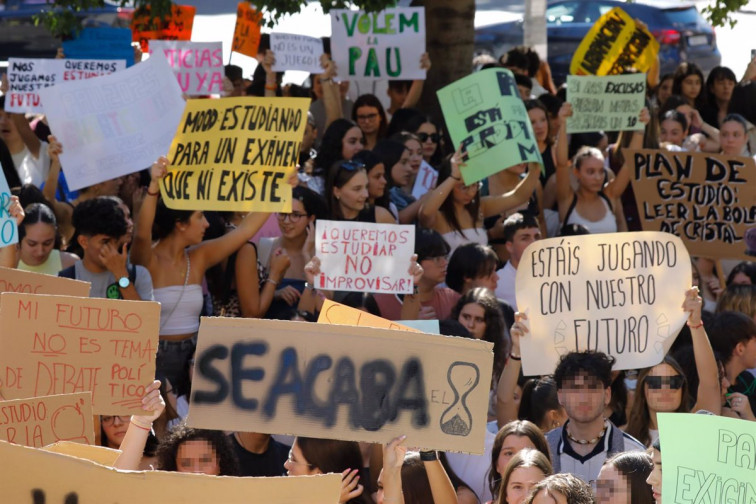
693, 304
518, 330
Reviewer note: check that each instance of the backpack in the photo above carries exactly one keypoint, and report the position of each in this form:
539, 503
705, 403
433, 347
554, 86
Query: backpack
113, 292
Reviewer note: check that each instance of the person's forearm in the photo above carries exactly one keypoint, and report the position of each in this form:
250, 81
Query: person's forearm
28, 136
441, 486
9, 256
410, 307
132, 448
51, 183
506, 407
414, 93
331, 101
429, 208
141, 247
708, 396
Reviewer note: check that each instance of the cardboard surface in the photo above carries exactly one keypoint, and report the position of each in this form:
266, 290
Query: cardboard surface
247, 30
484, 113
81, 481
59, 344
707, 458
341, 382
99, 454
8, 226
708, 200
176, 26
14, 280
39, 421
339, 314
611, 103
235, 154
116, 124
380, 45
614, 44
296, 52
198, 65
618, 293
364, 257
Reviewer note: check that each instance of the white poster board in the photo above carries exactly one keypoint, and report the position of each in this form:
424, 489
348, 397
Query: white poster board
116, 125
426, 179
198, 65
296, 52
618, 293
364, 257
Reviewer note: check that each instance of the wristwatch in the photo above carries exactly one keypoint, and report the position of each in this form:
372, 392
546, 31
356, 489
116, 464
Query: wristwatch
124, 282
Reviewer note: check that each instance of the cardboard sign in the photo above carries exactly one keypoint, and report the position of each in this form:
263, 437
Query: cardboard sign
617, 293
484, 113
426, 326
103, 42
15, 280
708, 200
364, 257
296, 52
707, 458
60, 345
610, 103
81, 481
100, 454
198, 65
26, 77
339, 314
116, 124
176, 26
247, 30
425, 181
379, 45
341, 382
40, 421
235, 154
614, 44
8, 226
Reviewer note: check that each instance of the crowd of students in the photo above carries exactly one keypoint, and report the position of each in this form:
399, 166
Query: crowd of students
585, 434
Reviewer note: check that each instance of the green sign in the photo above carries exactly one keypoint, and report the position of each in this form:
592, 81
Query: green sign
707, 459
484, 113
611, 103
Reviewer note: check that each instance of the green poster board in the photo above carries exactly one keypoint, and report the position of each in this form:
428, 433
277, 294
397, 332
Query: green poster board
611, 103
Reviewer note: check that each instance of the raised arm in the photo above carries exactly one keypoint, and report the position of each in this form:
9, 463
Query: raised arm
27, 135
441, 486
254, 300
416, 89
331, 91
506, 407
271, 82
564, 192
9, 253
494, 205
393, 459
615, 187
429, 208
132, 446
141, 246
708, 396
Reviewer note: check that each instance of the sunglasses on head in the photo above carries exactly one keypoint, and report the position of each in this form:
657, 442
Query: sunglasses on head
352, 166
434, 137
656, 382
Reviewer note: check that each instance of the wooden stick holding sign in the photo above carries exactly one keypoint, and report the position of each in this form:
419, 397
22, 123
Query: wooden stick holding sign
341, 382
617, 293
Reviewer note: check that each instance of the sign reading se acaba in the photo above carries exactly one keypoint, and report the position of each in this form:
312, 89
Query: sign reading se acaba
341, 382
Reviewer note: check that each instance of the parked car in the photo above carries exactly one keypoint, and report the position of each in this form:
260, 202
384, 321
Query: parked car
683, 34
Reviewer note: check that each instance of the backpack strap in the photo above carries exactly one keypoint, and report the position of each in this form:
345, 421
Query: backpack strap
69, 272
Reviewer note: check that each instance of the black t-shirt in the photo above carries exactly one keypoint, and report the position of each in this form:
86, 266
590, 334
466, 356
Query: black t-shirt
269, 463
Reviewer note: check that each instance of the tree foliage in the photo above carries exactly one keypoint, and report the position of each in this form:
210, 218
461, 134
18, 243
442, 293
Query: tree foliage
63, 17
719, 11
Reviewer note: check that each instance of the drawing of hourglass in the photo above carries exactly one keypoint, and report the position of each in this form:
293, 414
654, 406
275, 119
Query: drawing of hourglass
463, 377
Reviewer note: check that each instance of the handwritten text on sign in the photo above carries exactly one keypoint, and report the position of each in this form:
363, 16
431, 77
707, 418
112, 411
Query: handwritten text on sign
176, 26
617, 293
247, 30
296, 52
363, 257
235, 154
425, 181
60, 345
719, 467
40, 421
198, 65
484, 113
27, 282
708, 200
27, 76
381, 45
341, 382
610, 103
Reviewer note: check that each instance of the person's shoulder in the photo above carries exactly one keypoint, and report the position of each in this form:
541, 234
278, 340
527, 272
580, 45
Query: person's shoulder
630, 443
447, 293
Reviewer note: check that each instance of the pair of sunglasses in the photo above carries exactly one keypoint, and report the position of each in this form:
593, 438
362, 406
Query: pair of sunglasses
352, 166
434, 137
672, 382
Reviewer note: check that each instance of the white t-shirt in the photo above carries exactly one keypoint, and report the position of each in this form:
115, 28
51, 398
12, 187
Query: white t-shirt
505, 289
32, 170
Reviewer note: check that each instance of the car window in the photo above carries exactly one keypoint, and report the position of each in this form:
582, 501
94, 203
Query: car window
562, 13
682, 16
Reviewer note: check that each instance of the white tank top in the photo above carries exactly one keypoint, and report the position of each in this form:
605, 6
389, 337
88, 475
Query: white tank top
607, 224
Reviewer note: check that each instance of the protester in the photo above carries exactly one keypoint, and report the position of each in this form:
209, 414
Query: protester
39, 242
622, 479
511, 438
519, 230
526, 468
347, 190
561, 489
370, 116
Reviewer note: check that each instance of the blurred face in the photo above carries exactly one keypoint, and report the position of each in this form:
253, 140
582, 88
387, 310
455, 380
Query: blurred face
591, 174
722, 89
473, 317
545, 497
584, 397
663, 388
512, 444
434, 269
415, 155
377, 181
655, 478
115, 428
664, 91
672, 132
352, 143
353, 195
194, 229
297, 465
368, 119
197, 456
520, 241
38, 243
521, 480
540, 124
294, 224
732, 137
612, 487
428, 137
401, 172
464, 194
690, 87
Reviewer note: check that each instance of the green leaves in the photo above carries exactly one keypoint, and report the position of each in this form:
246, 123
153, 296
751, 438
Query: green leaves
273, 10
719, 12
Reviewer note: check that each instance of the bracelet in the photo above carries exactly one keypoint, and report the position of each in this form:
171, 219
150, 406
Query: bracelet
150, 193
309, 286
515, 357
271, 281
415, 290
271, 87
700, 324
141, 426
455, 178
428, 456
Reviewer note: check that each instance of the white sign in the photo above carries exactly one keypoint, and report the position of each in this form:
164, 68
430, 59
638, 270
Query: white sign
378, 46
426, 179
363, 257
198, 65
617, 293
26, 77
296, 52
116, 125
8, 226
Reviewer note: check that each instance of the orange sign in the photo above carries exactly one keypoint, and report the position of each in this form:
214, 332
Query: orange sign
176, 26
247, 31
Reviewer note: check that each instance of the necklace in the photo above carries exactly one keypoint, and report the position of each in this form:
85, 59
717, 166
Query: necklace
587, 441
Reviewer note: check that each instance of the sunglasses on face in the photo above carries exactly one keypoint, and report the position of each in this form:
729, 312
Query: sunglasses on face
434, 137
657, 382
352, 166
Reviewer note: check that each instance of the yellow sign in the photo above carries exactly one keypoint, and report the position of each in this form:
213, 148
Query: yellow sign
614, 44
235, 154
